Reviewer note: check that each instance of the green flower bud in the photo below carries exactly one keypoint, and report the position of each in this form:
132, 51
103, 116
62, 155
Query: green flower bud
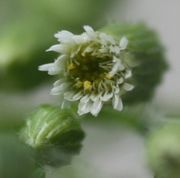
17, 160
55, 134
145, 55
164, 151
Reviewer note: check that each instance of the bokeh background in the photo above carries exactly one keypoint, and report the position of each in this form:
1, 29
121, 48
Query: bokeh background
27, 28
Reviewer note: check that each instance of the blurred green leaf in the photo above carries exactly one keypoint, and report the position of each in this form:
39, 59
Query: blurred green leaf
17, 160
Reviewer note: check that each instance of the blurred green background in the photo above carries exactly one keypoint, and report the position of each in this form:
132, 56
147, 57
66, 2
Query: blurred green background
114, 146
27, 29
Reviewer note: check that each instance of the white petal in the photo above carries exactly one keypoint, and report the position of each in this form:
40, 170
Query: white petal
123, 43
119, 62
128, 74
94, 97
62, 57
115, 49
90, 32
118, 66
51, 68
106, 38
88, 29
121, 80
77, 96
81, 38
107, 96
59, 62
78, 39
64, 36
59, 89
69, 95
54, 70
114, 69
116, 90
85, 99
121, 66
84, 108
56, 48
128, 87
96, 107
58, 82
117, 103
45, 67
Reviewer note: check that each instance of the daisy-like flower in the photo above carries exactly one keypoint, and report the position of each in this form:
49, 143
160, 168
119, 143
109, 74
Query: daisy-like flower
92, 70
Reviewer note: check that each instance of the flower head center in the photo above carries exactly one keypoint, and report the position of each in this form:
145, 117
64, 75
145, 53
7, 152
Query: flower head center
88, 70
92, 68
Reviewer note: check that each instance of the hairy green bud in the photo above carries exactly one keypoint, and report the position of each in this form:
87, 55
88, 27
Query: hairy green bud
55, 134
146, 56
164, 151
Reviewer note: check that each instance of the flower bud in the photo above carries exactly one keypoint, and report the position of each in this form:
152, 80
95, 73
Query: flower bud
145, 55
164, 151
55, 134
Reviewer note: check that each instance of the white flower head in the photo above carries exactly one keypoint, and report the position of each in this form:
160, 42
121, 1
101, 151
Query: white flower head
91, 70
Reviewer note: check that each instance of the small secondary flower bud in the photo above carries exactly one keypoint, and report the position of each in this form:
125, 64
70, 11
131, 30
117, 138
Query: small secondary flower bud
54, 133
164, 151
